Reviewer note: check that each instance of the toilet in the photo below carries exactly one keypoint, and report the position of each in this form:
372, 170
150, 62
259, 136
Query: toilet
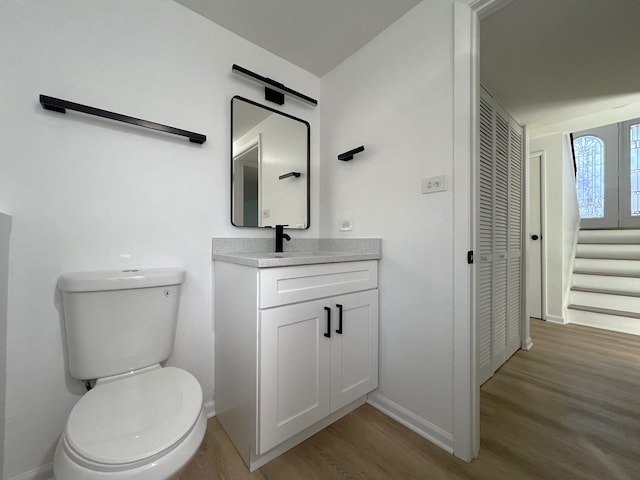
140, 420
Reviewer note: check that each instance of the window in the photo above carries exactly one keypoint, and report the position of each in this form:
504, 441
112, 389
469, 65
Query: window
634, 148
589, 151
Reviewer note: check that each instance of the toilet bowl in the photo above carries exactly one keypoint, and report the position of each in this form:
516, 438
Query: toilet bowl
140, 421
144, 425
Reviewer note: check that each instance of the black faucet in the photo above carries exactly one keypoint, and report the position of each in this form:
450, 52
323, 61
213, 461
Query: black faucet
279, 236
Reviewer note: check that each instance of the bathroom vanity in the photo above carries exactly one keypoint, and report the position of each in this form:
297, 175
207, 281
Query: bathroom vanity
296, 341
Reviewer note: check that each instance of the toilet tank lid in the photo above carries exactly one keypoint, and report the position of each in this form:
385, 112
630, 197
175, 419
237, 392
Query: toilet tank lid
120, 279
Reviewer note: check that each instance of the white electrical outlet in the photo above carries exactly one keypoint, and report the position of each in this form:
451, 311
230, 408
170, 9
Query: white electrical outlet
346, 225
434, 184
266, 213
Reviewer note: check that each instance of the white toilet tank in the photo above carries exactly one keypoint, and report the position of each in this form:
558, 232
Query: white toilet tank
119, 321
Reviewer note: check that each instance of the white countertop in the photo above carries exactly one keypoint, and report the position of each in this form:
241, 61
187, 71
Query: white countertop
254, 252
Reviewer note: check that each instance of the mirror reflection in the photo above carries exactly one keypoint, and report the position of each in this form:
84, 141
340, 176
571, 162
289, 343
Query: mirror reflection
269, 167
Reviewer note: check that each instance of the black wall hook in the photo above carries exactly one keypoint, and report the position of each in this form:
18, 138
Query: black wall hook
290, 174
349, 155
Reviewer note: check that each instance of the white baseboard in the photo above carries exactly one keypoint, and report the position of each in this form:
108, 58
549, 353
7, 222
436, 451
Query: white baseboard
555, 319
528, 344
613, 323
44, 472
210, 409
419, 425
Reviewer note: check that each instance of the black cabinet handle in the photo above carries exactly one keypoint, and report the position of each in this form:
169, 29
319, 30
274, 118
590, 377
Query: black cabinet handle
339, 330
534, 237
328, 334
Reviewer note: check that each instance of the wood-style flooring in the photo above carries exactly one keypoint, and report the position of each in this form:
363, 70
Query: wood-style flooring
567, 409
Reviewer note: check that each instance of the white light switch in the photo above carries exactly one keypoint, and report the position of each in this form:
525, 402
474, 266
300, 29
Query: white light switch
434, 184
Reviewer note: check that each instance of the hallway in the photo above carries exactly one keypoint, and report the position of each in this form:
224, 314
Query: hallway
567, 409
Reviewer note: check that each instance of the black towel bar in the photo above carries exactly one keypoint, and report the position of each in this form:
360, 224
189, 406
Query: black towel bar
58, 105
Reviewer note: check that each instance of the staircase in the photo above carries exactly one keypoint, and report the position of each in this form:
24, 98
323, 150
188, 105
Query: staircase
605, 291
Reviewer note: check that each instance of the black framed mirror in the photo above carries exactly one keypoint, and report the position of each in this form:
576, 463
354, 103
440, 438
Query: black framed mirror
270, 158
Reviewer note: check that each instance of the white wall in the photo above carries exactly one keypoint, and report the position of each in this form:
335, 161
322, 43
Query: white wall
570, 220
86, 193
395, 97
561, 220
5, 230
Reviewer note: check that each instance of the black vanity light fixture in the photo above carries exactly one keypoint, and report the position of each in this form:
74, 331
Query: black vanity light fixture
349, 155
61, 106
273, 91
290, 174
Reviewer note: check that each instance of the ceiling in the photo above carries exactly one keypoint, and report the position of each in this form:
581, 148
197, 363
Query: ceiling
551, 60
313, 34
545, 60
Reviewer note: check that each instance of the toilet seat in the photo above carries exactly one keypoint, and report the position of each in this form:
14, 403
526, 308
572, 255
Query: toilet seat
129, 420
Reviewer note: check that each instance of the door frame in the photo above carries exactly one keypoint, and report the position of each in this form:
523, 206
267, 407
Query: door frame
541, 154
466, 91
237, 179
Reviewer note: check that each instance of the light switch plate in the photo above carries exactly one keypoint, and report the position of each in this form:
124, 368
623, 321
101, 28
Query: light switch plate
434, 184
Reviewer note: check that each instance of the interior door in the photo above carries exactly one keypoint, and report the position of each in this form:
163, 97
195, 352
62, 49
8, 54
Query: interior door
484, 244
499, 282
534, 247
500, 239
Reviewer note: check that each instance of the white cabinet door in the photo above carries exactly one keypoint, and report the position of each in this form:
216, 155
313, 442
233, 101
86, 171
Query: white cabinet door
294, 370
354, 347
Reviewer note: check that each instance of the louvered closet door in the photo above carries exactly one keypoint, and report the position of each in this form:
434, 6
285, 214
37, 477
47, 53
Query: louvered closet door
514, 269
499, 237
485, 241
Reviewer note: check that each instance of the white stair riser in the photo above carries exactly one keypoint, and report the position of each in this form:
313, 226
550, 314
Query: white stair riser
607, 322
609, 236
625, 267
602, 300
615, 284
596, 250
